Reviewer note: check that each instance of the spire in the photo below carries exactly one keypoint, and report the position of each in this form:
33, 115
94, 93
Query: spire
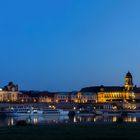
128, 82
128, 75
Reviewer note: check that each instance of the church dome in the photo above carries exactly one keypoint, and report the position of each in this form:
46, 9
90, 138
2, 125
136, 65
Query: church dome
128, 75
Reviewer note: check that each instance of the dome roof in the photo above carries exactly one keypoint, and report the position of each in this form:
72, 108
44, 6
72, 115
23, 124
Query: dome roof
128, 75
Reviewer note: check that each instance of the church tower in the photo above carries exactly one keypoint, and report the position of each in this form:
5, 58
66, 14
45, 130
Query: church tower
128, 82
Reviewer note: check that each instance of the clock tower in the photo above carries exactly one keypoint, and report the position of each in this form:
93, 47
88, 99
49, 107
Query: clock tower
128, 82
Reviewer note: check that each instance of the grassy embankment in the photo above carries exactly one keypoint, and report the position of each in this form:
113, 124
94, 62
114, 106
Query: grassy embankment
72, 132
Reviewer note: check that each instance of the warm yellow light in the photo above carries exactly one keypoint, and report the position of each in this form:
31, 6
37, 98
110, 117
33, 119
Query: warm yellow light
76, 101
53, 107
114, 119
114, 107
74, 108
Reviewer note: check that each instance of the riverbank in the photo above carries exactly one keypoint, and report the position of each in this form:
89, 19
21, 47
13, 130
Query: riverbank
73, 132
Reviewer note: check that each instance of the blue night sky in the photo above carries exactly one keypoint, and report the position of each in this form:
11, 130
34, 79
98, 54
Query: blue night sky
64, 45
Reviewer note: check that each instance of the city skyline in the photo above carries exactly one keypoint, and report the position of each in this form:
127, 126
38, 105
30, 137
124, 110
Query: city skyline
67, 45
86, 87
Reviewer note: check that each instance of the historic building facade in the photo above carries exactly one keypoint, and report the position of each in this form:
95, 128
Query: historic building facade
9, 93
86, 97
120, 94
109, 94
115, 97
99, 94
76, 97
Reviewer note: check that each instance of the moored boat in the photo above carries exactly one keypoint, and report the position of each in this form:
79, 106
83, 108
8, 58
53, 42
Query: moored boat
133, 113
30, 111
85, 113
50, 112
112, 113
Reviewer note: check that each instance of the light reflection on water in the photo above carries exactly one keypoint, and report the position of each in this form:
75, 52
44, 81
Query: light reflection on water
10, 121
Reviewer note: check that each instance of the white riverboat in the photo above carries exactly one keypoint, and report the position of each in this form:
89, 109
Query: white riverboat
121, 113
112, 113
30, 111
133, 113
50, 112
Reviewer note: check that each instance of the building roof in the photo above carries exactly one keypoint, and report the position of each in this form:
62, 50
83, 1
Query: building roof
128, 75
136, 89
88, 93
97, 89
37, 93
66, 93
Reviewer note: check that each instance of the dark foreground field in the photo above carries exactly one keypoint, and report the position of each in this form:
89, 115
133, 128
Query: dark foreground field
72, 132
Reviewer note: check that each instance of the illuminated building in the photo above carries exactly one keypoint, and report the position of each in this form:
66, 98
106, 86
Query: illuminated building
9, 93
124, 94
127, 94
75, 97
61, 97
85, 97
46, 98
117, 97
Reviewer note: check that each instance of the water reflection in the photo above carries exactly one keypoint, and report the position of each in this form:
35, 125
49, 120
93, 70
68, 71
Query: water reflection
130, 119
10, 121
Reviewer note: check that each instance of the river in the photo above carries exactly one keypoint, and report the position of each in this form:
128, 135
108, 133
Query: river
10, 121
